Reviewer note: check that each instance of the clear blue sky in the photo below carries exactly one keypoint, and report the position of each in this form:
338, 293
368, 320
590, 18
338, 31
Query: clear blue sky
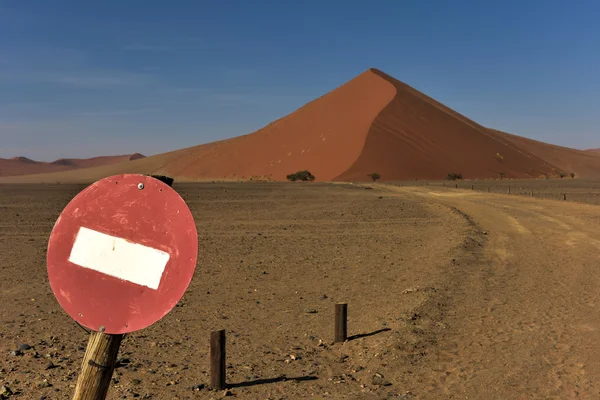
83, 78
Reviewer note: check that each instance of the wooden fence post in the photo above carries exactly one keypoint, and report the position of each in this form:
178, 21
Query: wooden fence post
217, 360
564, 196
341, 322
98, 366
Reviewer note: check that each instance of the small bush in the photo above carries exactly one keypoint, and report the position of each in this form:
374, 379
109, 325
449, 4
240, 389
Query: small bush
562, 175
375, 176
454, 176
572, 175
501, 175
301, 176
164, 179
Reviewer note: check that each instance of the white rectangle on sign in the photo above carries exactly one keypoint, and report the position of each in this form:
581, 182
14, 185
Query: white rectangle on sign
119, 258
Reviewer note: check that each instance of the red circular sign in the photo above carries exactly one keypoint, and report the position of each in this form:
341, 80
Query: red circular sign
122, 253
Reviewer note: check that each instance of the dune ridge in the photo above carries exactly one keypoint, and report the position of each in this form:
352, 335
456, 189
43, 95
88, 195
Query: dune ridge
325, 135
416, 137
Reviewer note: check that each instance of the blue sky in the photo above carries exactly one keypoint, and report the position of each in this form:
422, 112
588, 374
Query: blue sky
82, 78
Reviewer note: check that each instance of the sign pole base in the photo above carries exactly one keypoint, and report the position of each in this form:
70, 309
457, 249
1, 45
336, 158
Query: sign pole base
98, 366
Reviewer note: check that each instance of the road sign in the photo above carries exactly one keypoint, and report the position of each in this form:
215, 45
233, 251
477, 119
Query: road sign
122, 253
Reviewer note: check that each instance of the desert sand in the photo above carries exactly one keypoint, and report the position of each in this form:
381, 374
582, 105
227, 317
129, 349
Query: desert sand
26, 166
373, 123
452, 294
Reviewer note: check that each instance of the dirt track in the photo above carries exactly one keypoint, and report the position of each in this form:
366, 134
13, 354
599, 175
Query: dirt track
453, 294
526, 315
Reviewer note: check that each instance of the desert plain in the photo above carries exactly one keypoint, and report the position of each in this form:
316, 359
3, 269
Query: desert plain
452, 293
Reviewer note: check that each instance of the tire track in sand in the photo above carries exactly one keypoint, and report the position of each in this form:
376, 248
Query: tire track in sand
526, 313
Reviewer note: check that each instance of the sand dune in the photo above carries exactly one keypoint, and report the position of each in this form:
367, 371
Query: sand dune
415, 136
580, 162
373, 123
18, 166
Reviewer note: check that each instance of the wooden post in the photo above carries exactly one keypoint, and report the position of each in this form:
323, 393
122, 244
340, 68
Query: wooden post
532, 193
98, 366
564, 196
509, 190
472, 187
341, 322
217, 360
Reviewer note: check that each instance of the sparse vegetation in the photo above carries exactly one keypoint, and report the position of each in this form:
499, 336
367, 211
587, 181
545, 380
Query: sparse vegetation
572, 175
501, 175
163, 178
454, 176
375, 176
562, 175
301, 176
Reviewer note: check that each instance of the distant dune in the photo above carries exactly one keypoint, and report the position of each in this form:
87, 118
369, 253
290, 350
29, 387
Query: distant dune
594, 150
373, 123
96, 161
19, 166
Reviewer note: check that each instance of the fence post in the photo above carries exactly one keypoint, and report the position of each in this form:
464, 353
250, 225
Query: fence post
217, 360
341, 322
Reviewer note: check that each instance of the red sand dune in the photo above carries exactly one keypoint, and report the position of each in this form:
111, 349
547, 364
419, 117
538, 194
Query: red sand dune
582, 163
18, 166
594, 150
373, 123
